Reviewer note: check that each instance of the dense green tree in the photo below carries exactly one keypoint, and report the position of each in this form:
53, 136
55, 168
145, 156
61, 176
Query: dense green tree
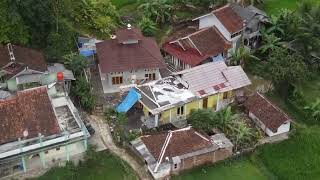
285, 69
81, 90
270, 43
148, 27
241, 56
203, 119
75, 62
98, 17
160, 11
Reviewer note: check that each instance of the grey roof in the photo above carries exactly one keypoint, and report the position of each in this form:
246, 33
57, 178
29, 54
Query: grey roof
4, 94
248, 13
221, 140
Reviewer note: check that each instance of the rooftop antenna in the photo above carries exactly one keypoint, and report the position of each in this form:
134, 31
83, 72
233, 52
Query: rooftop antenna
10, 49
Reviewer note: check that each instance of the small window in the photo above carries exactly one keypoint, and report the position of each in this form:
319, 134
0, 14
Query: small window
180, 111
117, 80
151, 76
175, 166
46, 152
58, 149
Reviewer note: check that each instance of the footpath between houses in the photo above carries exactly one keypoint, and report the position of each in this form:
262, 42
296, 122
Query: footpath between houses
108, 141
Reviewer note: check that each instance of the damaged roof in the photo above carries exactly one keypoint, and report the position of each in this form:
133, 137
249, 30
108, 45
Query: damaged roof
196, 47
29, 113
191, 84
268, 113
116, 56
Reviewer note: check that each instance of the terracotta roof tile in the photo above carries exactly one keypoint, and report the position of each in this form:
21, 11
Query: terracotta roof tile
229, 18
116, 57
32, 58
182, 142
268, 113
29, 110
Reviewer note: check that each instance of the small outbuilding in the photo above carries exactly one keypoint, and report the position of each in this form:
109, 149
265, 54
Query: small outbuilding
270, 118
170, 152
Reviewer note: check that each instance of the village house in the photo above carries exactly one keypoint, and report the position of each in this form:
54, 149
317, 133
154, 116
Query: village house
270, 118
184, 51
171, 99
227, 21
39, 127
255, 19
22, 68
211, 37
128, 58
171, 152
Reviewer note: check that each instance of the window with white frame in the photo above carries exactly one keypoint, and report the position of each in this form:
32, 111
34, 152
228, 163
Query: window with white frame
180, 111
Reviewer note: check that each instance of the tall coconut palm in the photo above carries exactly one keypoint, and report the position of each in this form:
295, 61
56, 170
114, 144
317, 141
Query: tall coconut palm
242, 133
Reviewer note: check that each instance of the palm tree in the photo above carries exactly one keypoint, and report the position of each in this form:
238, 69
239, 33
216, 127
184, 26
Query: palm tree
158, 10
225, 119
270, 43
276, 26
243, 133
241, 56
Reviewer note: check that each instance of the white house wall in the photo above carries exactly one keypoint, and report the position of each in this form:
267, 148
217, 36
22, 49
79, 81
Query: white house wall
212, 20
127, 76
284, 128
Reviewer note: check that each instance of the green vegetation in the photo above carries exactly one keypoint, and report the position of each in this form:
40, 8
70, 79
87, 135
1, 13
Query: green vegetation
296, 158
121, 3
273, 6
241, 169
233, 125
103, 166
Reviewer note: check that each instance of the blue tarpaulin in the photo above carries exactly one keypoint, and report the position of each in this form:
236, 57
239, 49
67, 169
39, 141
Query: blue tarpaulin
217, 58
131, 99
87, 52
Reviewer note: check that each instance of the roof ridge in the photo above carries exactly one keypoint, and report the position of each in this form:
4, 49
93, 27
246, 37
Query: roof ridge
274, 106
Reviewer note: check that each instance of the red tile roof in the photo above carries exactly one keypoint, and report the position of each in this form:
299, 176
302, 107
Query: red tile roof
210, 42
190, 56
30, 111
32, 58
117, 57
182, 142
268, 113
125, 34
229, 18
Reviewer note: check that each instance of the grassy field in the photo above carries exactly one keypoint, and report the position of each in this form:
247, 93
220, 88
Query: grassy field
273, 6
107, 167
295, 159
241, 169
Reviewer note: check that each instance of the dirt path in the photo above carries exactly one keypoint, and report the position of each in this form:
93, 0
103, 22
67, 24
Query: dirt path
108, 141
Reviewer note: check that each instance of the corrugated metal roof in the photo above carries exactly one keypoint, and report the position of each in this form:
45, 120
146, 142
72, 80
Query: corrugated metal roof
4, 94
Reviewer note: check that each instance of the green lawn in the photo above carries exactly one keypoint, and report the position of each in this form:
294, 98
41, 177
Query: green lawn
294, 159
273, 6
241, 169
106, 167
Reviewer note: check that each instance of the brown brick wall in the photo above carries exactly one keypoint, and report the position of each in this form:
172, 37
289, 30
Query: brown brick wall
207, 158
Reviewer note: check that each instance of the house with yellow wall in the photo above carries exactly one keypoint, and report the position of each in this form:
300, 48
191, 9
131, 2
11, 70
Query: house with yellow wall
208, 86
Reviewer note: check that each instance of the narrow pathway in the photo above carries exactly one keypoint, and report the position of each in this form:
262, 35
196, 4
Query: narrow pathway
108, 141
